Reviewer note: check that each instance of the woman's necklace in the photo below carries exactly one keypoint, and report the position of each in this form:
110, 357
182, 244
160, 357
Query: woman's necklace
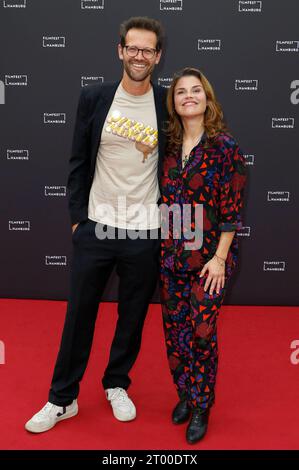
186, 155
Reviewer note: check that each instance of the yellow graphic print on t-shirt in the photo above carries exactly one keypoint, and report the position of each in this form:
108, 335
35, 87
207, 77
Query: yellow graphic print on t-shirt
145, 137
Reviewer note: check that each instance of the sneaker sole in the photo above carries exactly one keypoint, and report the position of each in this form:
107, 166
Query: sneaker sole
123, 418
36, 429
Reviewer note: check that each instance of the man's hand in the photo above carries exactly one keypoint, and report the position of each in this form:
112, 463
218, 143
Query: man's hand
74, 227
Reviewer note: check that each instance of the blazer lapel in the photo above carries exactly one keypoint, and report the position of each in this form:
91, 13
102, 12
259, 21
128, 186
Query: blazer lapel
160, 111
160, 105
100, 114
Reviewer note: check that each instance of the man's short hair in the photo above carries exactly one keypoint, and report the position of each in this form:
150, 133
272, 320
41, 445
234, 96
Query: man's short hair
142, 22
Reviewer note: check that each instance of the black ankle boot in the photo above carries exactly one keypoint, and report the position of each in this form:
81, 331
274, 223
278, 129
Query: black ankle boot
198, 426
181, 412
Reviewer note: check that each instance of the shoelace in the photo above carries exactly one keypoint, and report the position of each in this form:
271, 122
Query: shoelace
119, 394
47, 408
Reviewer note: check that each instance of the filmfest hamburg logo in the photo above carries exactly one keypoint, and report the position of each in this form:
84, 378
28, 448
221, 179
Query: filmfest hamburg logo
91, 80
283, 123
54, 118
19, 225
209, 45
17, 154
171, 5
53, 41
14, 3
92, 5
55, 191
244, 232
249, 159
246, 85
274, 265
55, 260
278, 196
164, 81
16, 80
287, 46
250, 6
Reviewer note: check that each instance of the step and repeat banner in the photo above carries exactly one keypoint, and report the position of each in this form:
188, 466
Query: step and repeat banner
249, 51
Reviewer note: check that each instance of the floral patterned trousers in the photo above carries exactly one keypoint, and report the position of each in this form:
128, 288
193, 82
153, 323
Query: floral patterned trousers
189, 316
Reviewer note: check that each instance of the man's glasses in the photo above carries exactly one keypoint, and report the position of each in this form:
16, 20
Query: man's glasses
147, 53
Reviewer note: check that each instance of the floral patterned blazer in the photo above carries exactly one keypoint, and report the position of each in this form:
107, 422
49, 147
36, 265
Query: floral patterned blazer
214, 176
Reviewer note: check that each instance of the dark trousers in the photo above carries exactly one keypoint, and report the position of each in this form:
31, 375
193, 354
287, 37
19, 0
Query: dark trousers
93, 260
190, 326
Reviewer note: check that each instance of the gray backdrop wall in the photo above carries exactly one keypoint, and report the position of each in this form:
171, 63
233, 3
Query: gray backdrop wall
50, 48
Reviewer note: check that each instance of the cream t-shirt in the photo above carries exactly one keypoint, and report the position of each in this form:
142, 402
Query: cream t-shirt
125, 190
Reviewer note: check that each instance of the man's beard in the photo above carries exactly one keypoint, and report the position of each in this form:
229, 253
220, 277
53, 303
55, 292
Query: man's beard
137, 76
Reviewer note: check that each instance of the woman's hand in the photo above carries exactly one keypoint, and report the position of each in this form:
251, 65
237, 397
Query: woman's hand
216, 274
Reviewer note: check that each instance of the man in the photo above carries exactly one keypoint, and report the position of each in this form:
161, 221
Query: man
115, 165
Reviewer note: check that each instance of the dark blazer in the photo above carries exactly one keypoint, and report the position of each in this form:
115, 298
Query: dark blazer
93, 107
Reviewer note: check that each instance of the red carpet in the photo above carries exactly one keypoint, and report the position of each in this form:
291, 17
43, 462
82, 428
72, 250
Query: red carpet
257, 391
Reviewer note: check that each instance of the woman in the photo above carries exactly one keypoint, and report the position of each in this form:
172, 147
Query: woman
203, 167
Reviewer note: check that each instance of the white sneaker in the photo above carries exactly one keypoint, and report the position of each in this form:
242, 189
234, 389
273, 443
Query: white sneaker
122, 406
49, 415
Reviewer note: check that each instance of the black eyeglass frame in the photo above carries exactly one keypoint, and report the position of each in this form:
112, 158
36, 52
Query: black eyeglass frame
154, 51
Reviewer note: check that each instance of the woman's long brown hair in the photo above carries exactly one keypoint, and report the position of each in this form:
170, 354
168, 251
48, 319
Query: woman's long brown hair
213, 117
